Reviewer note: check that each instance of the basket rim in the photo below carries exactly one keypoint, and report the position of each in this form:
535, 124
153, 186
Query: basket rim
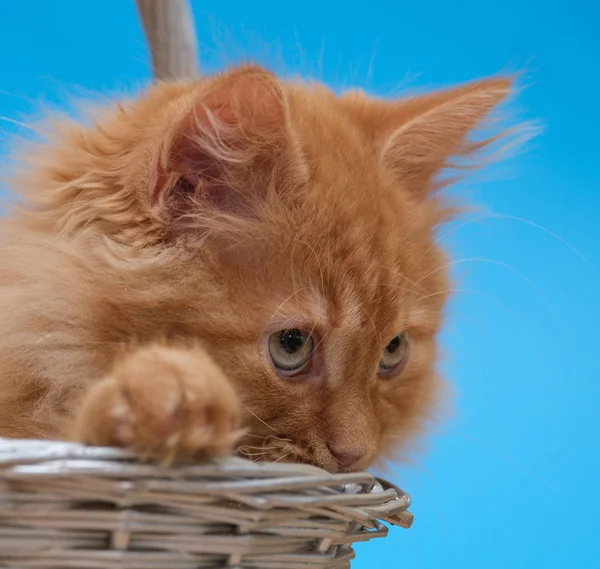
379, 498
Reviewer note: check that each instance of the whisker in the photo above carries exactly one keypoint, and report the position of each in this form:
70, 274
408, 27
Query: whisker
549, 232
248, 447
20, 124
269, 437
320, 266
253, 453
257, 417
321, 340
278, 439
277, 310
520, 220
397, 274
508, 267
370, 319
284, 456
509, 313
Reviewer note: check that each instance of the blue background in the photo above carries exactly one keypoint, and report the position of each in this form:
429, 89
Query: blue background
512, 479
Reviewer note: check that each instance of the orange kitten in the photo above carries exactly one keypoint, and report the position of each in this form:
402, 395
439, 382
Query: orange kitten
234, 252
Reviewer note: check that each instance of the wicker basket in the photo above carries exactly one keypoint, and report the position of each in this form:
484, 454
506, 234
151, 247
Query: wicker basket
67, 505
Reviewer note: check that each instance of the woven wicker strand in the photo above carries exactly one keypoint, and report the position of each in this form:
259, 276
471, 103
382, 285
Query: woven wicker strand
64, 505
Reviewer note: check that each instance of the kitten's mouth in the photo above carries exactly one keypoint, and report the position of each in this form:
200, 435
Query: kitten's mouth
282, 449
271, 448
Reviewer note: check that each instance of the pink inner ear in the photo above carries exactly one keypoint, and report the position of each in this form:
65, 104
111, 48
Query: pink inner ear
216, 194
225, 141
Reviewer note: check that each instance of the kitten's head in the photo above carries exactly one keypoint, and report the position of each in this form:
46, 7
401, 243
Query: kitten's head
298, 232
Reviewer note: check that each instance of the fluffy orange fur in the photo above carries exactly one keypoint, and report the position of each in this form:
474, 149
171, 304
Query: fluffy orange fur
153, 251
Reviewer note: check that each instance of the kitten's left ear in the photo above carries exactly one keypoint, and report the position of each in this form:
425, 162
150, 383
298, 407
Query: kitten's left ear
233, 144
423, 133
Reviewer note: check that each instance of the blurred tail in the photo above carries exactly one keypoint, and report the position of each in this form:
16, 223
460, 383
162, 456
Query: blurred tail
171, 35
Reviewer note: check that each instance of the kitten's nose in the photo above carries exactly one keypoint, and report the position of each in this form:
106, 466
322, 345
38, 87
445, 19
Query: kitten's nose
346, 457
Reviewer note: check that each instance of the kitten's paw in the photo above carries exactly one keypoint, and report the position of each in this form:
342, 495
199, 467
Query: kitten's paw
164, 403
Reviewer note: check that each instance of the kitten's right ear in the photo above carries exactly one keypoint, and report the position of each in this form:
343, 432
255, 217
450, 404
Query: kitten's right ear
435, 127
417, 137
233, 144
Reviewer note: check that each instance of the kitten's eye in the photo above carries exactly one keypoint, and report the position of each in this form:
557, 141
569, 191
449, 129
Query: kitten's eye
290, 350
395, 355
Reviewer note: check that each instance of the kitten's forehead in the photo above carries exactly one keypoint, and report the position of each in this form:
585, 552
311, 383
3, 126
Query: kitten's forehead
340, 283
371, 241
306, 307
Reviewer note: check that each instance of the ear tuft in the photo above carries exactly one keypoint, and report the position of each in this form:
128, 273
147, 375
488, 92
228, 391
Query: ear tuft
433, 128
